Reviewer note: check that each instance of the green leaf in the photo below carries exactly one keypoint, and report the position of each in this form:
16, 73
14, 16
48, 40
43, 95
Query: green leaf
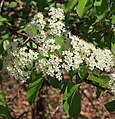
2, 95
81, 7
66, 106
54, 82
113, 19
4, 111
83, 71
33, 89
2, 19
98, 92
6, 5
101, 7
5, 44
72, 101
113, 49
110, 106
13, 4
3, 103
63, 86
70, 90
103, 80
70, 5
31, 31
75, 104
98, 2
96, 72
42, 4
5, 36
59, 41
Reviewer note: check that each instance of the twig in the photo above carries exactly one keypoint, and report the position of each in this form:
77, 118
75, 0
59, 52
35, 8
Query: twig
1, 4
57, 108
25, 112
105, 109
26, 41
89, 100
16, 95
28, 38
102, 88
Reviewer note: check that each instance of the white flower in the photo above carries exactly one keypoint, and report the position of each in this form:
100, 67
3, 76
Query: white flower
112, 82
48, 46
38, 22
19, 63
51, 66
101, 59
56, 14
94, 57
72, 60
56, 27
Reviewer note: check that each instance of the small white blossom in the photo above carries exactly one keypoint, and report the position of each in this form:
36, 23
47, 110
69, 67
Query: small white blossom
56, 14
38, 22
19, 63
72, 60
51, 66
48, 46
56, 25
56, 28
112, 82
101, 59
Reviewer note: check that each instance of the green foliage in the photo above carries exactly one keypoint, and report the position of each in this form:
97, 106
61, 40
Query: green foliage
54, 82
13, 4
68, 7
31, 31
4, 110
96, 72
102, 80
83, 72
93, 20
98, 92
34, 87
42, 4
81, 8
101, 7
5, 44
60, 41
72, 100
110, 106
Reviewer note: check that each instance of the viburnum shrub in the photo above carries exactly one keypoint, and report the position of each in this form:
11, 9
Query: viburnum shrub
50, 52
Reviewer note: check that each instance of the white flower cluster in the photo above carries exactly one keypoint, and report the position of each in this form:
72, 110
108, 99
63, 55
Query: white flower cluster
56, 24
72, 60
101, 59
92, 56
80, 51
19, 62
51, 66
38, 22
56, 14
112, 82
48, 46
